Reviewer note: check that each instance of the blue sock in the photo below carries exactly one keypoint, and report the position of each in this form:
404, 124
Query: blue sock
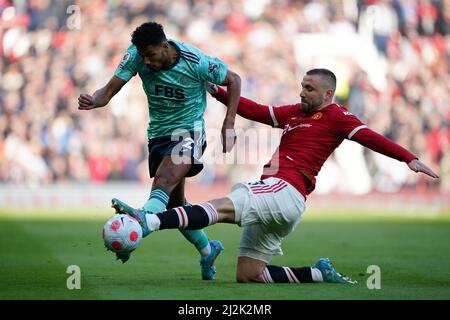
197, 237
157, 202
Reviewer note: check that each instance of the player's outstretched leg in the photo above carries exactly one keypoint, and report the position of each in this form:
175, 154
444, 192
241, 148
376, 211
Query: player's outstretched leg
138, 214
186, 217
207, 262
330, 274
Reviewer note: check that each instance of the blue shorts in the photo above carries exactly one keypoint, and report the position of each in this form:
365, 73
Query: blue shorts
191, 144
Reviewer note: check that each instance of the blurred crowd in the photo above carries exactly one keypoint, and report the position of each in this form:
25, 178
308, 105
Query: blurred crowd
51, 51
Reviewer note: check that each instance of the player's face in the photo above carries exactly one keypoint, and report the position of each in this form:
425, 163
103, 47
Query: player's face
155, 57
312, 94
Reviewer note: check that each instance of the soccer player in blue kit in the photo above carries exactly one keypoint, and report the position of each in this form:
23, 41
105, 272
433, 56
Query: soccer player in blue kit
173, 76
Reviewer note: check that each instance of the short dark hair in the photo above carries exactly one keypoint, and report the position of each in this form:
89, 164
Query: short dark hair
149, 33
328, 76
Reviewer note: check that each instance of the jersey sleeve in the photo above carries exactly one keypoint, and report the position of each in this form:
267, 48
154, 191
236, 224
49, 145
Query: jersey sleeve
347, 124
280, 114
379, 143
251, 110
212, 69
127, 67
353, 129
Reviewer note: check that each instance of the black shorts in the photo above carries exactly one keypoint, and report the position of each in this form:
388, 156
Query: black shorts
191, 144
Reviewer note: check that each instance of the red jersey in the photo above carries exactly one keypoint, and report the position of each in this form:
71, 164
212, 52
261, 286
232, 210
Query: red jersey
309, 139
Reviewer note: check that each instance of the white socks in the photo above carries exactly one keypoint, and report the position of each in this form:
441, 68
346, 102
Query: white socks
316, 275
153, 221
206, 250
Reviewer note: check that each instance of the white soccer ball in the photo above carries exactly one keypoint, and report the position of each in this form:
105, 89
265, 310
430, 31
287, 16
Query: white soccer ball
122, 234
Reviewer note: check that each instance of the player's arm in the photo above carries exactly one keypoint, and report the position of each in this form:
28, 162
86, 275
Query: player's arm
102, 96
251, 110
383, 145
233, 83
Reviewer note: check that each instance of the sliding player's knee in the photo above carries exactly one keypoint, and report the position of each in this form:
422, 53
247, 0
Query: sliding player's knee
240, 278
249, 269
248, 277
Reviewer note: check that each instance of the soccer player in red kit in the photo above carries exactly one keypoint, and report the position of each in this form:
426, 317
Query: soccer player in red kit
269, 209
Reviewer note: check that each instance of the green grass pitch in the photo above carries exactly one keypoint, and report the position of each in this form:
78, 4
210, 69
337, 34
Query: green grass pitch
36, 247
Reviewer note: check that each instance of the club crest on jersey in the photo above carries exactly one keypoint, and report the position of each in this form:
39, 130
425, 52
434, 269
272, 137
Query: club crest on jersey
125, 57
213, 68
316, 116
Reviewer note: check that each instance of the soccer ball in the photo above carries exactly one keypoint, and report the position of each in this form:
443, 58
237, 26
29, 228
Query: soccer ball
122, 234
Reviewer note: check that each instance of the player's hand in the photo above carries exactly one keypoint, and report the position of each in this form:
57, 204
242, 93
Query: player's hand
417, 166
211, 88
86, 102
228, 137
